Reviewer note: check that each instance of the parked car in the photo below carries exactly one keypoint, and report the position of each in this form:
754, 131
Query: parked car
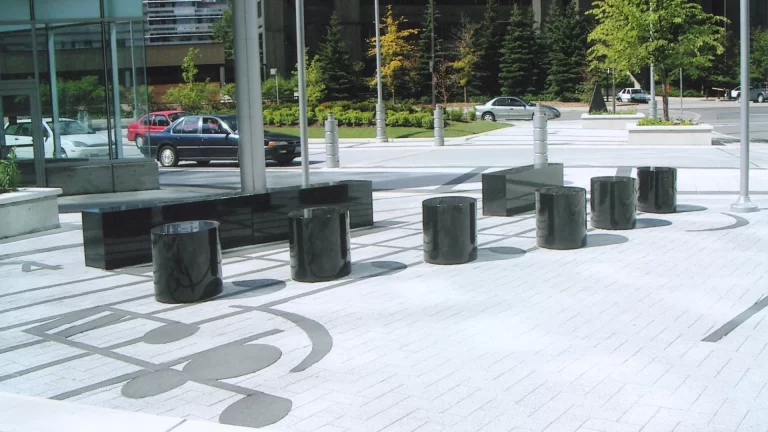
635, 95
152, 122
77, 139
206, 138
735, 93
757, 93
512, 108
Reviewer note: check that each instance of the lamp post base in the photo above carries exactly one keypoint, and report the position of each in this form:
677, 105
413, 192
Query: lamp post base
744, 205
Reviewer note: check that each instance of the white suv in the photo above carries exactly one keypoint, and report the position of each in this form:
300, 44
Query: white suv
77, 139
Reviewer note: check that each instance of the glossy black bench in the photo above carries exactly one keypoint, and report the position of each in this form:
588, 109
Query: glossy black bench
510, 192
119, 237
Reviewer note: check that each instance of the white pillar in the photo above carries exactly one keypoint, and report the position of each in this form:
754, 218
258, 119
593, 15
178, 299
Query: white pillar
118, 126
133, 79
540, 146
253, 176
439, 125
57, 152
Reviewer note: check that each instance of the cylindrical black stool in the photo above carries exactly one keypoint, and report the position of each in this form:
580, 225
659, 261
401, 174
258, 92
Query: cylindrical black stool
613, 203
657, 189
450, 230
561, 217
320, 244
186, 257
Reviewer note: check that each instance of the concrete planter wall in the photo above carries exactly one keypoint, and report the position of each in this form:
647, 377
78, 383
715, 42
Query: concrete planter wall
610, 121
28, 211
698, 135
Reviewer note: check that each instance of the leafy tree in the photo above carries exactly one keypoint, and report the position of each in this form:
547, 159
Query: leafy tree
489, 39
673, 34
424, 75
316, 90
223, 32
565, 35
466, 64
518, 54
759, 56
396, 51
191, 95
335, 65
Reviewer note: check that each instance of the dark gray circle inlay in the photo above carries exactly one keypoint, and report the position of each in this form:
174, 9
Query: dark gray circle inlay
257, 410
169, 333
153, 384
231, 361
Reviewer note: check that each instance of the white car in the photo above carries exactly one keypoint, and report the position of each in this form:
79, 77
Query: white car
633, 95
77, 139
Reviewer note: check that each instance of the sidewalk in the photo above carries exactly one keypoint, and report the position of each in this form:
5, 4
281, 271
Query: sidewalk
661, 328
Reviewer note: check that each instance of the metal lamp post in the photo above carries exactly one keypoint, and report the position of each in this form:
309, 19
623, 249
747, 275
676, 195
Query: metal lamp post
381, 112
302, 75
743, 204
652, 103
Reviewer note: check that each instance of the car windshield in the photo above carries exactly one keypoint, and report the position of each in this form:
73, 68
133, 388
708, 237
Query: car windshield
175, 116
72, 127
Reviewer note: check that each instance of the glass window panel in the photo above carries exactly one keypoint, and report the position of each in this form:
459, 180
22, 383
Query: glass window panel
132, 9
67, 9
15, 10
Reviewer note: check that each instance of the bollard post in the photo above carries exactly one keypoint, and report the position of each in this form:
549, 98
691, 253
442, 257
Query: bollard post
331, 142
439, 127
540, 151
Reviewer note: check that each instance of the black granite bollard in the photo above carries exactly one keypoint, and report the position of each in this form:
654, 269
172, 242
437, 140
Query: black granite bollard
613, 203
561, 217
657, 189
450, 230
186, 257
320, 244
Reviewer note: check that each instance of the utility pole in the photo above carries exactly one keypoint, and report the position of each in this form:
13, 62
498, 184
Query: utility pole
744, 204
652, 103
302, 75
381, 112
432, 64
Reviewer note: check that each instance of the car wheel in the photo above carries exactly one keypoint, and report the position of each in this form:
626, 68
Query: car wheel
167, 157
488, 117
761, 98
284, 161
203, 163
140, 141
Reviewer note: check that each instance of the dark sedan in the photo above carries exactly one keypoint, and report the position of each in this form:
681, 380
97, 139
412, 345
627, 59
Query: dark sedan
206, 138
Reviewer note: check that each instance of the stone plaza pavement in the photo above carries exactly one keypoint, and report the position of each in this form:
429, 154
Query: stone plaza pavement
662, 328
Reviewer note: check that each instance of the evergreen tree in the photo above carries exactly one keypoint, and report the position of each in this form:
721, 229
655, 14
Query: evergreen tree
489, 39
518, 54
425, 49
566, 33
334, 64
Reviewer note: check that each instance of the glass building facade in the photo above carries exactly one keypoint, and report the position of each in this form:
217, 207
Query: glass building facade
72, 77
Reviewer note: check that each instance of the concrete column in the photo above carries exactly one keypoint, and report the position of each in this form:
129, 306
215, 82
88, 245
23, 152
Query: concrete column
57, 152
540, 146
253, 174
277, 49
351, 26
222, 76
439, 125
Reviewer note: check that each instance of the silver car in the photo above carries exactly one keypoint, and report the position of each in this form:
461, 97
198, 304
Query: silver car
512, 108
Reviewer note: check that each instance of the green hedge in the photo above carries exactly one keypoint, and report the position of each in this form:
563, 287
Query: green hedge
289, 116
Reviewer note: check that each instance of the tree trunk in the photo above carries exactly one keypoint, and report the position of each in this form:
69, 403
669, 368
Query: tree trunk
465, 94
665, 92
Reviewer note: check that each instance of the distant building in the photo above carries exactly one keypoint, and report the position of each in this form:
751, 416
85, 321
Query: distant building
172, 22
357, 19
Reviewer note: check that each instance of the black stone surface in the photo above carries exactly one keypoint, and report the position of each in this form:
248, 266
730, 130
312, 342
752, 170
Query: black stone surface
613, 203
561, 217
118, 237
450, 230
320, 244
511, 192
186, 257
657, 189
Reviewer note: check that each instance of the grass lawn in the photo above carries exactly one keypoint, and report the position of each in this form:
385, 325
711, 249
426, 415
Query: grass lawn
454, 129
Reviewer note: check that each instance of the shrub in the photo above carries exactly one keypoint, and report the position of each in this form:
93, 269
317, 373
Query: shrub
427, 122
661, 122
627, 111
456, 115
472, 115
9, 173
